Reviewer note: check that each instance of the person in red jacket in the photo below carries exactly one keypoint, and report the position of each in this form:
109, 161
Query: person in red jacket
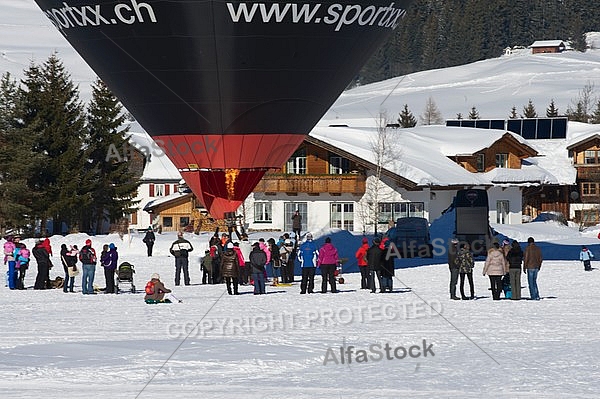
327, 261
363, 266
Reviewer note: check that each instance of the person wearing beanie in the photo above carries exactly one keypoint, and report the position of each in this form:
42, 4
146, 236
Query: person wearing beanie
363, 266
230, 266
586, 257
88, 258
110, 267
374, 258
180, 250
42, 280
258, 260
308, 255
149, 239
156, 290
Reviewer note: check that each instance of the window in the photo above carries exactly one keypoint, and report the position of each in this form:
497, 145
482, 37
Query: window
167, 221
157, 190
342, 216
480, 163
184, 221
589, 189
502, 160
338, 165
262, 212
297, 163
590, 157
502, 211
289, 208
396, 210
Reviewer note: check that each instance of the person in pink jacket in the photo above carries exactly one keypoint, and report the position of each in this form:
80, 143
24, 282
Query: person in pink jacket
496, 266
327, 262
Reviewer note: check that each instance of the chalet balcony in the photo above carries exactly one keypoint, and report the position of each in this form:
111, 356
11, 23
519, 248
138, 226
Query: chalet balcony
588, 172
313, 184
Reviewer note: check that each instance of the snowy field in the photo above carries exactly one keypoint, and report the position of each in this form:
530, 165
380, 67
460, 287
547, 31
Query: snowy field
286, 345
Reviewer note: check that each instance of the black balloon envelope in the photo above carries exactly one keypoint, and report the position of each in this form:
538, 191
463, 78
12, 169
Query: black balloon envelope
228, 89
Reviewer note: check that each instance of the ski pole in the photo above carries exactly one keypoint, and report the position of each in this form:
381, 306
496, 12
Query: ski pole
177, 299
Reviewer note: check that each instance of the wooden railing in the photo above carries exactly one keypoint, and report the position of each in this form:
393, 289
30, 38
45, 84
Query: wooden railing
313, 184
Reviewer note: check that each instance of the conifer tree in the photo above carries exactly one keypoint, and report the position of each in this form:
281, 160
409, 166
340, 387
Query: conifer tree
16, 159
513, 113
406, 118
113, 184
529, 110
459, 116
53, 117
578, 114
473, 114
596, 115
552, 111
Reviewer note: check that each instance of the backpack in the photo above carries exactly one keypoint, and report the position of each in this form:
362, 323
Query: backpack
86, 256
150, 287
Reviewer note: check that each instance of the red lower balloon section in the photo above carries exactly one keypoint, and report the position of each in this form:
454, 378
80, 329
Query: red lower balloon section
222, 170
222, 191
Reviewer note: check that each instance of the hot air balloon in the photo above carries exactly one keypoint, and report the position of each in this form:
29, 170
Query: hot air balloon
228, 89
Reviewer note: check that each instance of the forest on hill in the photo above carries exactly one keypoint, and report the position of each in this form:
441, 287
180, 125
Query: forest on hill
443, 33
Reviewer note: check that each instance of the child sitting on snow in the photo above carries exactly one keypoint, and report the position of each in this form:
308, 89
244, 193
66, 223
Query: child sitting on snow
155, 290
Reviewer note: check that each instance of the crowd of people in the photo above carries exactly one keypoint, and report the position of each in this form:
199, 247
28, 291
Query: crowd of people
17, 258
503, 265
240, 262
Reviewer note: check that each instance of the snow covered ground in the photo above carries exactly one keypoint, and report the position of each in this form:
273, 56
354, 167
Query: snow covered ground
286, 345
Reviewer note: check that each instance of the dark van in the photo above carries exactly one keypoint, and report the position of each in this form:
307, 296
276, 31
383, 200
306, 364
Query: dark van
411, 237
472, 223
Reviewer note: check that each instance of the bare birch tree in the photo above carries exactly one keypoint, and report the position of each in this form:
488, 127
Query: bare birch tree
384, 146
431, 115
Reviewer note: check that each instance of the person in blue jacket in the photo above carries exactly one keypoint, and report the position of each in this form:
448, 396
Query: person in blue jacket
307, 255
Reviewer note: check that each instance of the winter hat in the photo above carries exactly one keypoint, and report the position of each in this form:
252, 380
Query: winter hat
155, 276
88, 242
309, 236
229, 245
365, 240
112, 246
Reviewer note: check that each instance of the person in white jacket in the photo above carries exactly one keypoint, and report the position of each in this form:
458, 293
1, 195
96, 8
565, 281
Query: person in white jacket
495, 267
586, 257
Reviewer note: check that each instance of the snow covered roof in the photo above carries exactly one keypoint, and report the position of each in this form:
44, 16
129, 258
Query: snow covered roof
167, 198
548, 43
422, 155
158, 166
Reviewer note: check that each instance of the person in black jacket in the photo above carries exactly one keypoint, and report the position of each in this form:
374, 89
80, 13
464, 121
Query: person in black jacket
515, 260
149, 239
454, 268
230, 266
258, 259
42, 257
374, 258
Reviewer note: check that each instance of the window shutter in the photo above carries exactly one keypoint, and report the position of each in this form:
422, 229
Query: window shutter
151, 190
167, 189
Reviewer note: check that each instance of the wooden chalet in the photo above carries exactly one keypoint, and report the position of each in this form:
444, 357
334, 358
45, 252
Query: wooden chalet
547, 46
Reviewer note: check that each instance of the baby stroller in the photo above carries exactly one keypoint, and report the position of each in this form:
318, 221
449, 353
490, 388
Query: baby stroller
125, 275
338, 270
